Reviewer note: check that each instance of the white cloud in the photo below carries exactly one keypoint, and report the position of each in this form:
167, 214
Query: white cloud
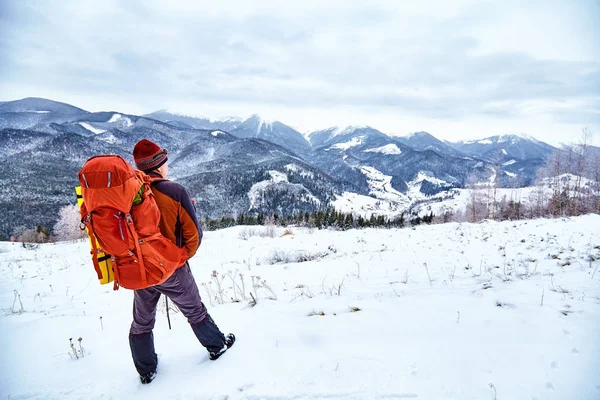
458, 69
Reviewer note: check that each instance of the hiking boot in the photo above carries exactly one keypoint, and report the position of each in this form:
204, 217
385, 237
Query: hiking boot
149, 377
229, 341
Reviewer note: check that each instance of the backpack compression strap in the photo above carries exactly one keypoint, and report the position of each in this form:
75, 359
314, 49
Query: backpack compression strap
136, 238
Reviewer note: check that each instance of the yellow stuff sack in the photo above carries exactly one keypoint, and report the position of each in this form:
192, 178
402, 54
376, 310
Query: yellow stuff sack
104, 260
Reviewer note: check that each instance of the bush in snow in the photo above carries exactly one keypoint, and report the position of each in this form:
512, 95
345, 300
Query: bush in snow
77, 354
13, 309
279, 256
266, 231
67, 226
220, 292
25, 235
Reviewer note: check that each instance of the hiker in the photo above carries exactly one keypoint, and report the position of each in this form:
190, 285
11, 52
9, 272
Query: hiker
178, 223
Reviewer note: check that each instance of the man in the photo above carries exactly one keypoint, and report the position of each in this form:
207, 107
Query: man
178, 223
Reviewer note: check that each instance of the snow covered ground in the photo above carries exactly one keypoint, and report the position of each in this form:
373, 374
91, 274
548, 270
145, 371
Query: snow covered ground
358, 204
492, 310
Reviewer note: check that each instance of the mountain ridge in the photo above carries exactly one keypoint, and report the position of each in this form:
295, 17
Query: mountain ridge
250, 165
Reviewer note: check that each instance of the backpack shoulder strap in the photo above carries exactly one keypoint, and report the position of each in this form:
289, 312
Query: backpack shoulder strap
150, 178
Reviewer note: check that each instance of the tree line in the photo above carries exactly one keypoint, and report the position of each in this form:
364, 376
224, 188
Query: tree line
321, 219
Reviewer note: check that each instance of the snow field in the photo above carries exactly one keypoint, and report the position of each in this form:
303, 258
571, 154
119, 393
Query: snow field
390, 149
506, 310
92, 129
355, 141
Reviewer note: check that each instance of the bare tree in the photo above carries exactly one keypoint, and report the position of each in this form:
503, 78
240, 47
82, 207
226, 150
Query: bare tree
478, 206
594, 167
581, 155
566, 199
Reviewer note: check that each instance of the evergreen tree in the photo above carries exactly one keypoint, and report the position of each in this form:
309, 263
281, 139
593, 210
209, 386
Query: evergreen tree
348, 221
339, 220
332, 218
361, 221
399, 221
372, 220
416, 221
319, 220
240, 219
428, 218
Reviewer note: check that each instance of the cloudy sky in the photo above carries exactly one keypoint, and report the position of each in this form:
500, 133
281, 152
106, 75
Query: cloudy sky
457, 69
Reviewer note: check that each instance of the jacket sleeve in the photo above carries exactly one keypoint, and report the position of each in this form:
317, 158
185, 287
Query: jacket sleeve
192, 233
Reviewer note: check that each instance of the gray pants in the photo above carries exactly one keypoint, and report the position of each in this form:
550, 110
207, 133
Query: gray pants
181, 288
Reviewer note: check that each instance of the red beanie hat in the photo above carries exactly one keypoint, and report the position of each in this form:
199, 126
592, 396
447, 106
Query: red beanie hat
148, 155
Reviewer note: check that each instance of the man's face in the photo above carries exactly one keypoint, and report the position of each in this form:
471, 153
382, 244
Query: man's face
164, 170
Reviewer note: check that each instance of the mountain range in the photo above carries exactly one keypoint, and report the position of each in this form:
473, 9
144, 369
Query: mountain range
235, 165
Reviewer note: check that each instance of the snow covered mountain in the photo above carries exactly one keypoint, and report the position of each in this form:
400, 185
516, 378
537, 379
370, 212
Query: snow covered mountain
182, 120
504, 147
32, 111
273, 131
516, 157
337, 134
354, 154
38, 105
227, 175
253, 127
233, 165
425, 141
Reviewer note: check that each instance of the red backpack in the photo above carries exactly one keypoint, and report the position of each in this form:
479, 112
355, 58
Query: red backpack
119, 209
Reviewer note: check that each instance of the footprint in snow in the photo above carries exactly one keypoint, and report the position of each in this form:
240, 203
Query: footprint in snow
549, 386
554, 365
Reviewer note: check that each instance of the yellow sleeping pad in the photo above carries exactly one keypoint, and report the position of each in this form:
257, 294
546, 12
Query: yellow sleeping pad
104, 260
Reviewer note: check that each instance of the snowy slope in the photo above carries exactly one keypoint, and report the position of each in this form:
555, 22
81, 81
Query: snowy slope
456, 311
339, 134
355, 141
91, 128
380, 186
387, 149
256, 195
384, 200
458, 201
